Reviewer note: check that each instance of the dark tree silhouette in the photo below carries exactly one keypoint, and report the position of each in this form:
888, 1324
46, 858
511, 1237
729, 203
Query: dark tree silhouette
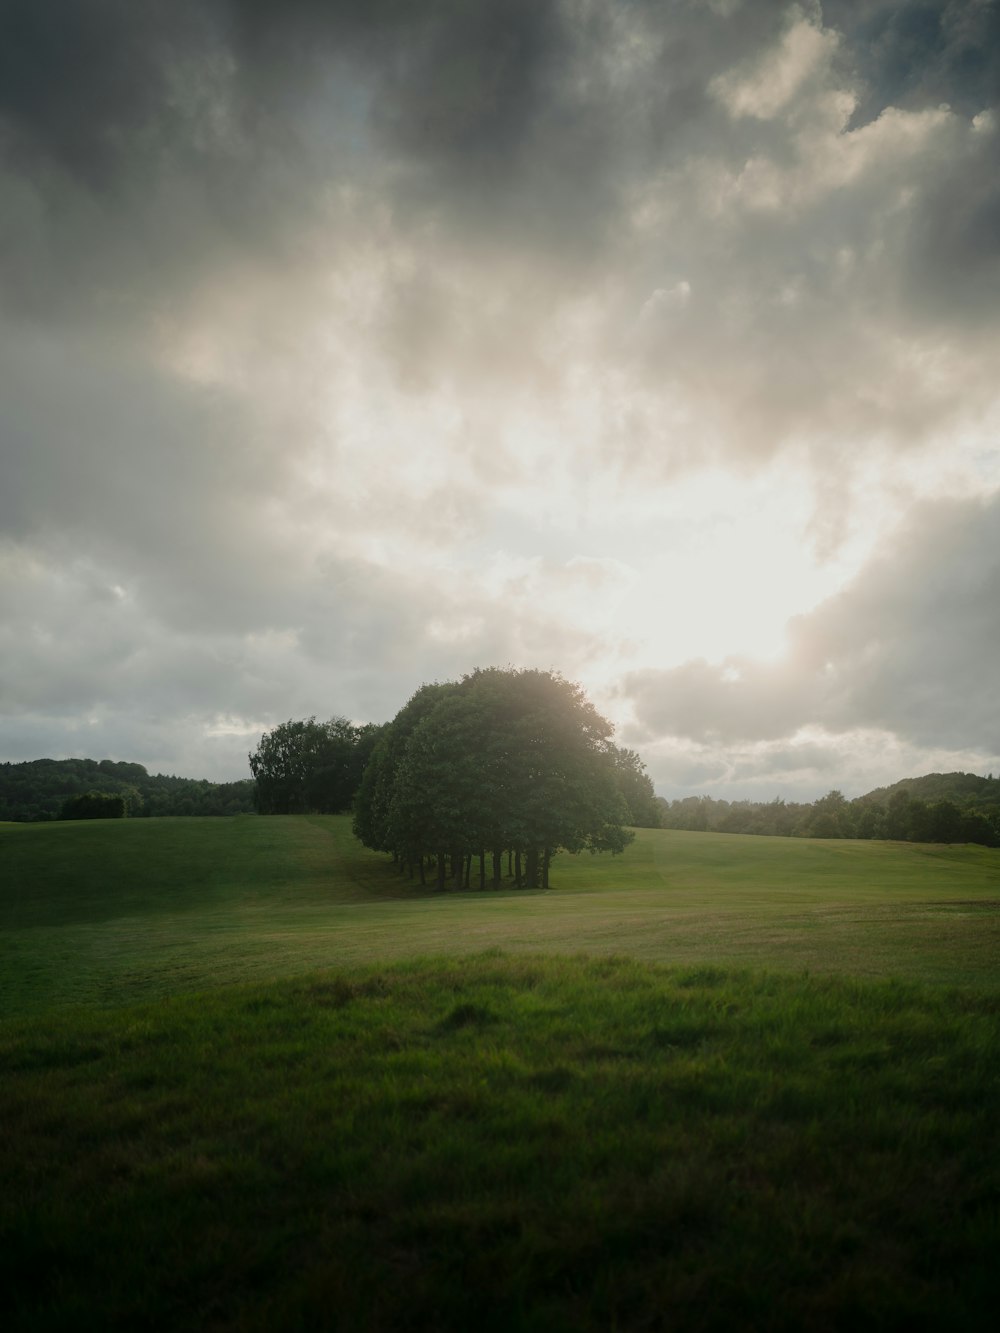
501, 761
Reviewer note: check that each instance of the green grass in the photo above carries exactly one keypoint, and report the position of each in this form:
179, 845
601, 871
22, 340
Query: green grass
108, 912
251, 1080
507, 1143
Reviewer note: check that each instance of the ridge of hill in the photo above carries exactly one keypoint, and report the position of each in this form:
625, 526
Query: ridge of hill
967, 790
37, 789
937, 807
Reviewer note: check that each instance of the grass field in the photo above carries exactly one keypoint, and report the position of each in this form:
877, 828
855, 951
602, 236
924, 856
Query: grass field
106, 912
250, 1079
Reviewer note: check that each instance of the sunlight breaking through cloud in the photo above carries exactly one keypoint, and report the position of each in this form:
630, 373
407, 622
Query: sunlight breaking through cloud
344, 348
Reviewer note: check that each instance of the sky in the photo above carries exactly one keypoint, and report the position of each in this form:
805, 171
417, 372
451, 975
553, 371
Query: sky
348, 346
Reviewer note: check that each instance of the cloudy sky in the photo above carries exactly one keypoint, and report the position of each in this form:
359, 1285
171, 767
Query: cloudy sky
350, 345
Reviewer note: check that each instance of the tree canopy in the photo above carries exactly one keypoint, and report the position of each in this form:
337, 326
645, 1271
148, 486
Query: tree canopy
304, 767
503, 761
938, 807
95, 805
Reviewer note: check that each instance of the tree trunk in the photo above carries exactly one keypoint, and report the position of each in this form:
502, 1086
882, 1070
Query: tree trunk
423, 877
441, 858
517, 869
497, 866
531, 868
546, 862
482, 870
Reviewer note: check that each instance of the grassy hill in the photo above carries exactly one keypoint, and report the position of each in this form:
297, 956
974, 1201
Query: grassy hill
100, 912
251, 1080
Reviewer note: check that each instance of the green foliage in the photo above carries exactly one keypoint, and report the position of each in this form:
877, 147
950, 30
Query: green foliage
964, 789
95, 805
375, 793
967, 809
501, 761
512, 1143
39, 790
829, 817
310, 767
636, 788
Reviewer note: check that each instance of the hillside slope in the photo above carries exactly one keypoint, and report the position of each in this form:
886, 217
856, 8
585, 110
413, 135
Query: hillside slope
99, 913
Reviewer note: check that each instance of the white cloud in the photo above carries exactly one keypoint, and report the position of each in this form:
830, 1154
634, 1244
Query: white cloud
666, 301
767, 85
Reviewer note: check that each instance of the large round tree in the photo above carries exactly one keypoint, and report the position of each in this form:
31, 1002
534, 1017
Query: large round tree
515, 761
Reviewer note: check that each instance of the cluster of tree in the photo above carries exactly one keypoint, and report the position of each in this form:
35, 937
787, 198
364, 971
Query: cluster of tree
939, 807
42, 789
95, 805
311, 767
502, 765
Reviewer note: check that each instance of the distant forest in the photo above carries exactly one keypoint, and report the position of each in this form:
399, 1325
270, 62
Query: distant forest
44, 789
939, 807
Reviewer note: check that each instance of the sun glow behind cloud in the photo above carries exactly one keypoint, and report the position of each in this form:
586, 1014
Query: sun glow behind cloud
627, 340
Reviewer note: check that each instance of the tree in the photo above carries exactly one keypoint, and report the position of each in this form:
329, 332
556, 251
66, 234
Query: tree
869, 819
636, 788
504, 760
310, 766
341, 760
829, 817
374, 795
976, 827
436, 805
945, 823
898, 820
95, 805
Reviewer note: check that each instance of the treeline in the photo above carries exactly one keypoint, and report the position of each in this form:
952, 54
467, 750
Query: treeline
45, 789
939, 807
505, 768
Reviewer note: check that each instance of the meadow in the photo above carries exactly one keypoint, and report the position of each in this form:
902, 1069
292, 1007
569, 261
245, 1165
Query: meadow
250, 1078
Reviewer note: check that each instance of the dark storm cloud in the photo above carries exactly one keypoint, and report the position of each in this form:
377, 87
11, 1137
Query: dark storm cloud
153, 143
517, 114
919, 53
100, 87
952, 271
80, 83
908, 648
531, 107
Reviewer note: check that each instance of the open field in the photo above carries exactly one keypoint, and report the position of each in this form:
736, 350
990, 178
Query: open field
252, 1081
105, 912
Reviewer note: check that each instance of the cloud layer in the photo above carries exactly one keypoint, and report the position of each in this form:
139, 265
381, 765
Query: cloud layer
344, 346
903, 649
